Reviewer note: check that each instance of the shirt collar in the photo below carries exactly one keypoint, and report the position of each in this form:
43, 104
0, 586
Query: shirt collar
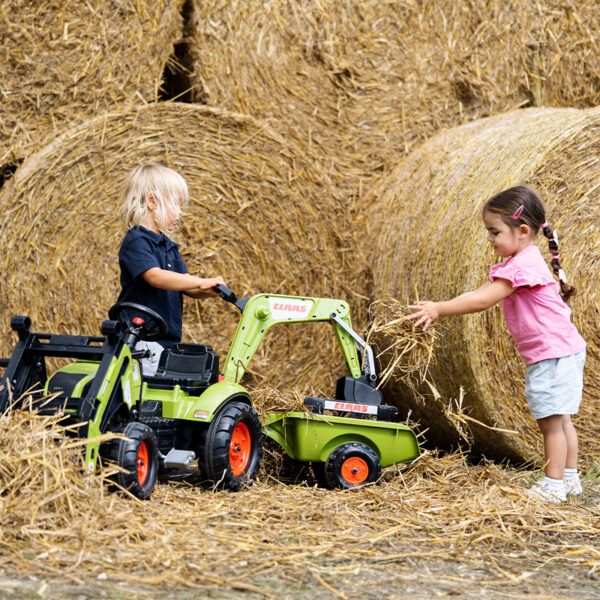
156, 238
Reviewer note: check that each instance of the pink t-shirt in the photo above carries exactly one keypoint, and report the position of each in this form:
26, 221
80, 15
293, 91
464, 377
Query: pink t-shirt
537, 318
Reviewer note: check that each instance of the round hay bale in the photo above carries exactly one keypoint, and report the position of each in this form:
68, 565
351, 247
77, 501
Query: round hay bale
431, 244
357, 83
66, 60
259, 216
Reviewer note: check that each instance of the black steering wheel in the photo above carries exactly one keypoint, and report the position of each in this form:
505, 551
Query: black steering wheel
149, 330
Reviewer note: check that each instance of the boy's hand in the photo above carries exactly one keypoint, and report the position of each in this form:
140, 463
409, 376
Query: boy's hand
213, 282
207, 288
427, 313
204, 288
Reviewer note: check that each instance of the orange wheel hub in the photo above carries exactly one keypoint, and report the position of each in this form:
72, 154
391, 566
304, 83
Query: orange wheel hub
142, 463
355, 470
239, 449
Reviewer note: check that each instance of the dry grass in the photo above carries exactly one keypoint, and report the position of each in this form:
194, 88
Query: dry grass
403, 351
65, 61
438, 508
271, 399
254, 217
404, 354
41, 482
357, 84
440, 189
349, 87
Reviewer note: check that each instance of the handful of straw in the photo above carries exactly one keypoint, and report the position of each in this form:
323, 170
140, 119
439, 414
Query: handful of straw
271, 399
404, 351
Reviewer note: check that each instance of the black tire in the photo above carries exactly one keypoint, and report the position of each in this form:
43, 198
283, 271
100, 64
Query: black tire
138, 456
352, 464
234, 445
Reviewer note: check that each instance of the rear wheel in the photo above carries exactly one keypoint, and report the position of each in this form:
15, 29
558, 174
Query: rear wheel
138, 456
233, 447
352, 464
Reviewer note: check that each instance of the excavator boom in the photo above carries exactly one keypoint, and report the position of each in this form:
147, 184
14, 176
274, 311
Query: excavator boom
262, 311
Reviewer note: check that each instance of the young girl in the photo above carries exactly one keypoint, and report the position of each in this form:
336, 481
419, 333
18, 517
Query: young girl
538, 319
152, 271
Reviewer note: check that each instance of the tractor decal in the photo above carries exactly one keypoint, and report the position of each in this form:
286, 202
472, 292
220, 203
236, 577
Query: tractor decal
289, 309
350, 407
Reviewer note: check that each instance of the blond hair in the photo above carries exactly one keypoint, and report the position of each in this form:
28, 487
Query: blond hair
167, 187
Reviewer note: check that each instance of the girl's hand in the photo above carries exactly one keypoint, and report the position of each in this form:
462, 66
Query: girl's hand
427, 313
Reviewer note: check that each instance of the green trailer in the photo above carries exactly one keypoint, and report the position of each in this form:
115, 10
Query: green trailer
344, 451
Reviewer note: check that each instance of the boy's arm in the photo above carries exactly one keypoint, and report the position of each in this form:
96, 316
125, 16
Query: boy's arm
193, 286
480, 299
202, 293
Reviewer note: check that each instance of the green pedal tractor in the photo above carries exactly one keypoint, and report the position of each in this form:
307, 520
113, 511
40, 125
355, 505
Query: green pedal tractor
189, 410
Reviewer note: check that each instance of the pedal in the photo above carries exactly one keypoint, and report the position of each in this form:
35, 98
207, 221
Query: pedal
179, 459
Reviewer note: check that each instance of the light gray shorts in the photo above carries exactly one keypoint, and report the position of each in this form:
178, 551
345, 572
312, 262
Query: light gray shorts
554, 386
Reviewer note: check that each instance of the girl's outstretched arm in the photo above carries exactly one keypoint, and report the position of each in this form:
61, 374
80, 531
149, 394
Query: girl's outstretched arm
470, 302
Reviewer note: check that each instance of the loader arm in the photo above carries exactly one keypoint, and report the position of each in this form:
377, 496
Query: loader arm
262, 311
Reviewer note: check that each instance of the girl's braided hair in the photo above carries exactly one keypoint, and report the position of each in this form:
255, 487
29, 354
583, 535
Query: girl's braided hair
521, 205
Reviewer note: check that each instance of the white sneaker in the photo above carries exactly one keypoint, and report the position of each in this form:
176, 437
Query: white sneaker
573, 486
548, 492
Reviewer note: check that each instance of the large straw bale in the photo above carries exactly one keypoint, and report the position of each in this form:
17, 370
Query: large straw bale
255, 217
359, 82
64, 61
431, 245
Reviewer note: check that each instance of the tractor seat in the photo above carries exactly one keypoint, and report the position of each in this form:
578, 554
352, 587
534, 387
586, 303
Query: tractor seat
193, 367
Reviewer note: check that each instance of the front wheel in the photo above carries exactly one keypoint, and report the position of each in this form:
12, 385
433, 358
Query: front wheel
234, 445
138, 456
352, 464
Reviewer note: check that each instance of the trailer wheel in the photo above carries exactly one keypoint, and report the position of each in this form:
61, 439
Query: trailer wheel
138, 456
234, 445
352, 464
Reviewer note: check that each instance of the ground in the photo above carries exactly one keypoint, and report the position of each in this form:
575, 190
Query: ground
417, 578
437, 528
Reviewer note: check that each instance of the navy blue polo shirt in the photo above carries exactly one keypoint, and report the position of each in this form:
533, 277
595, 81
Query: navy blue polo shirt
141, 250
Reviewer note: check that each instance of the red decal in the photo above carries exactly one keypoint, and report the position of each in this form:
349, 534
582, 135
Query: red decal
351, 407
290, 307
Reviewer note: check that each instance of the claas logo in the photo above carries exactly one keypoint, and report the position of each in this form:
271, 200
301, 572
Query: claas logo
299, 308
357, 408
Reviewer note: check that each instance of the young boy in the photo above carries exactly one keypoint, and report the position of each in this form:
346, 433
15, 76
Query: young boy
152, 270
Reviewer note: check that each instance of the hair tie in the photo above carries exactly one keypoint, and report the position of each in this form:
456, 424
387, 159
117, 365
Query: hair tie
555, 236
562, 276
518, 212
557, 256
544, 225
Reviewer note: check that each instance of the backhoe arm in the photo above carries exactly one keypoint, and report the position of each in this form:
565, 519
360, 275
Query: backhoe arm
262, 311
